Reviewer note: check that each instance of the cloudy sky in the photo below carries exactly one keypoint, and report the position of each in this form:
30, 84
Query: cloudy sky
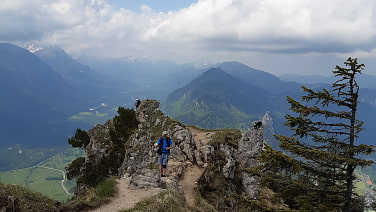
277, 36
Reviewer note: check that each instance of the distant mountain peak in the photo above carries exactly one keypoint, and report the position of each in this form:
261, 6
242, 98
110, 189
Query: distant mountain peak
236, 65
216, 71
37, 99
256, 77
61, 62
31, 47
52, 52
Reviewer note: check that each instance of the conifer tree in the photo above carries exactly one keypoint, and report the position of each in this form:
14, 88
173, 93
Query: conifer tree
317, 171
80, 139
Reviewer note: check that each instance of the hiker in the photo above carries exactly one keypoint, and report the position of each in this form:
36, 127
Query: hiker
137, 103
164, 145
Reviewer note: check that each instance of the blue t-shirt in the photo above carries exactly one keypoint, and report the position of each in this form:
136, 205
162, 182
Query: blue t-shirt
164, 144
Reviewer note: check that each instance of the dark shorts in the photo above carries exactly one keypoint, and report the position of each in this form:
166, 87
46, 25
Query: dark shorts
163, 159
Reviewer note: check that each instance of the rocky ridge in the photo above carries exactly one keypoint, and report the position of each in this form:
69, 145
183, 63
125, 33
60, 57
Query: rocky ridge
218, 153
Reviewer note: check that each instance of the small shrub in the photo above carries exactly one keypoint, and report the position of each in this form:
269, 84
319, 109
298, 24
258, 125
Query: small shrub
99, 195
106, 188
202, 204
168, 201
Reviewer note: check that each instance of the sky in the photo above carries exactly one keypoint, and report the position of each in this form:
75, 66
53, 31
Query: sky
278, 36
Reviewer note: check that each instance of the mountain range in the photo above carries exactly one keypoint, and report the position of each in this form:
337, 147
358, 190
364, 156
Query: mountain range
41, 91
35, 99
225, 97
232, 95
147, 78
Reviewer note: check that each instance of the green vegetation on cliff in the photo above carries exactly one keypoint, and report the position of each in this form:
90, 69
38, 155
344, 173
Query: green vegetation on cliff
120, 128
95, 196
214, 187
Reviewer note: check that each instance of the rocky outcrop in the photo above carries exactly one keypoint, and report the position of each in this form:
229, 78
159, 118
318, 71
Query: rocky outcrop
230, 154
268, 126
225, 176
100, 141
250, 145
223, 153
140, 163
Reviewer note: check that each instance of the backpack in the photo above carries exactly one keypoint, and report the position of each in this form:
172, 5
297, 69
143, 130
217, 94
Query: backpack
168, 140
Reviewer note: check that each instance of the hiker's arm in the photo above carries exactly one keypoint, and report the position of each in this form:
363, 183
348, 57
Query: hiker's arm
171, 146
156, 143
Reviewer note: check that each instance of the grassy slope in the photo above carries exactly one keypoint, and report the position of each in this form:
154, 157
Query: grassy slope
94, 116
170, 201
45, 181
209, 117
26, 200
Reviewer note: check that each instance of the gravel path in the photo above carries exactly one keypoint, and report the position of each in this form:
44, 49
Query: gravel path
126, 198
189, 183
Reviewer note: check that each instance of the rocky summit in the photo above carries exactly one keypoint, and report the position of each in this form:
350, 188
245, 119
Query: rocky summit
211, 162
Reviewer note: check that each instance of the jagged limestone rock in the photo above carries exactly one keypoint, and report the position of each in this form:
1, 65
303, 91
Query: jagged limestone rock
100, 141
230, 154
250, 145
169, 183
224, 180
147, 178
141, 158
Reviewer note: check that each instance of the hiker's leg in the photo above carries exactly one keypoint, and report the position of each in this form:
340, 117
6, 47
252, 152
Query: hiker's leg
164, 170
160, 169
160, 162
165, 161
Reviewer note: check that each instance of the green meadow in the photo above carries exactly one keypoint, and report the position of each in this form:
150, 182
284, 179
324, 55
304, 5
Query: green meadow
89, 117
46, 177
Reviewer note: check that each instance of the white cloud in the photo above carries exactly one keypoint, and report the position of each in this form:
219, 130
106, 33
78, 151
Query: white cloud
208, 29
290, 24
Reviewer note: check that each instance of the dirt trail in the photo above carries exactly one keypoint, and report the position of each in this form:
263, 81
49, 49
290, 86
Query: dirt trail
194, 172
189, 183
203, 135
126, 198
